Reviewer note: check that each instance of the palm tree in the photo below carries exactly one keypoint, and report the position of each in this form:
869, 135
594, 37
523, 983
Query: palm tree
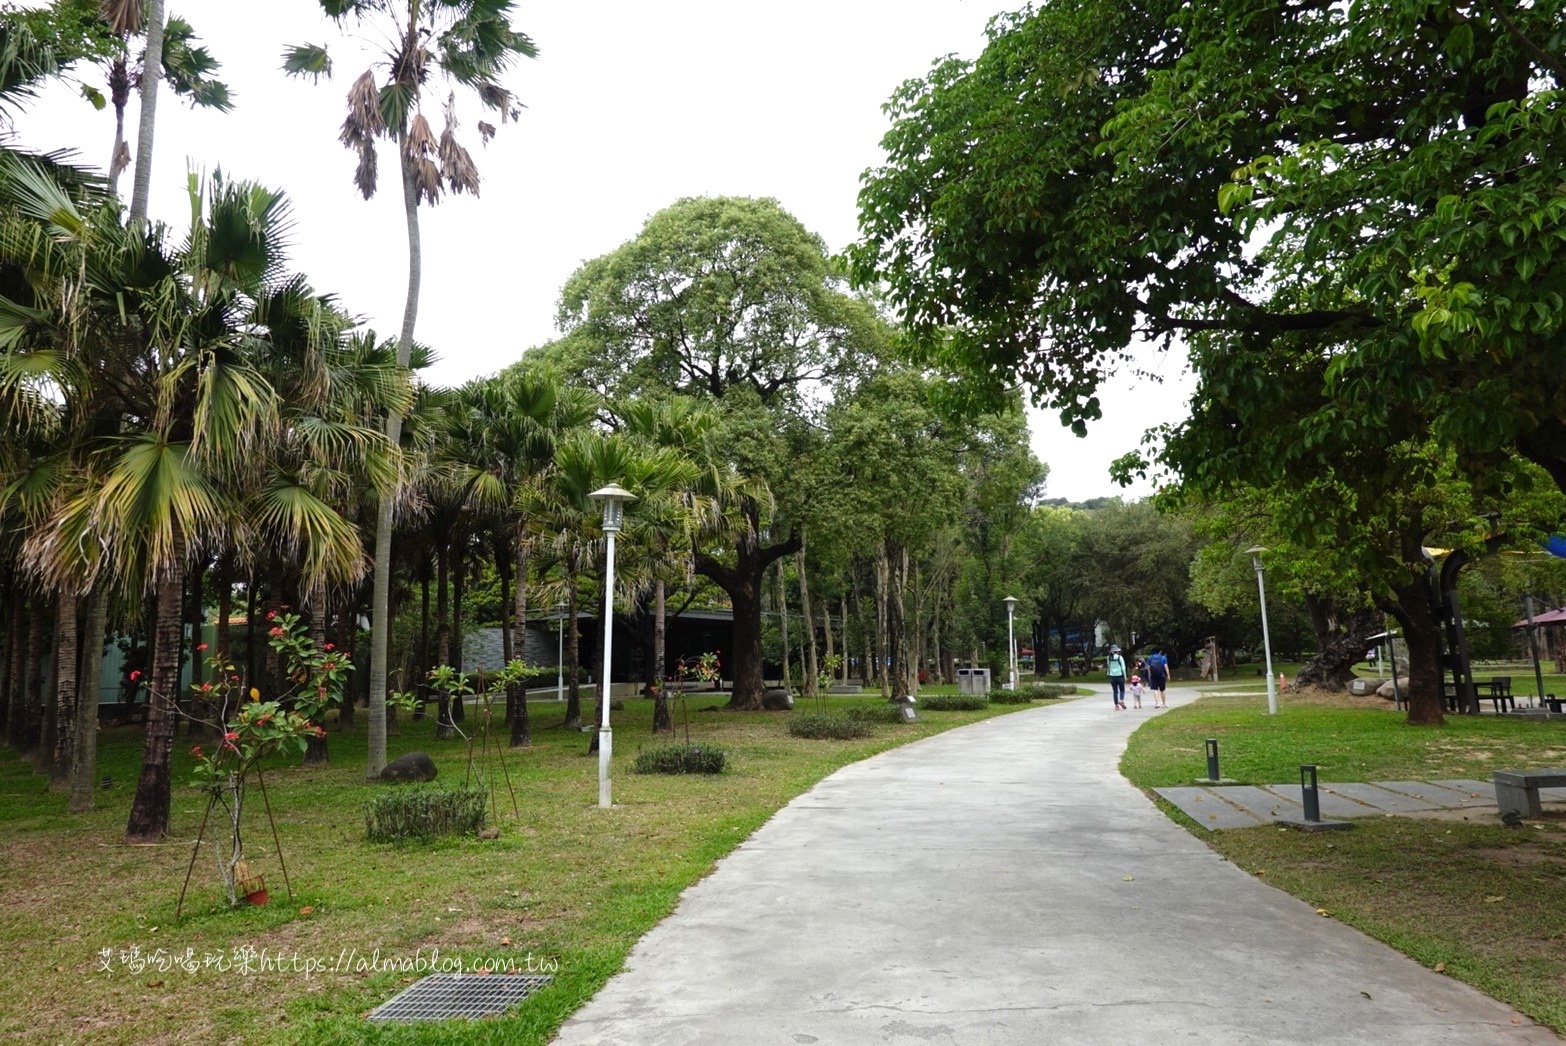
688, 427
504, 437
472, 44
565, 520
186, 67
152, 25
179, 334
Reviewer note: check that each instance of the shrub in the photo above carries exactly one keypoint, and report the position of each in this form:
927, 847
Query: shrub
421, 814
680, 759
1041, 691
954, 702
887, 713
1020, 696
818, 725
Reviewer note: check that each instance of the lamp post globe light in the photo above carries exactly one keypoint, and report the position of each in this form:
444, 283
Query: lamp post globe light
1261, 590
614, 498
1011, 642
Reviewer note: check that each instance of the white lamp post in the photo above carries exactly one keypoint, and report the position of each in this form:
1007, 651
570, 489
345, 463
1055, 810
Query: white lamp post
614, 498
1261, 588
1011, 641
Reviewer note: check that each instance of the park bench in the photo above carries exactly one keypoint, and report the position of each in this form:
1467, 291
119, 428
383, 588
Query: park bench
1517, 791
1501, 693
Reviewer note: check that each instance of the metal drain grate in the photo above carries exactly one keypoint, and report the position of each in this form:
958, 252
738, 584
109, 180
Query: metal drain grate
441, 996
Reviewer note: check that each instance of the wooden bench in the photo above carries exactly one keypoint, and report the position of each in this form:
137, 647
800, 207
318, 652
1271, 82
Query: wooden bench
1517, 791
1501, 693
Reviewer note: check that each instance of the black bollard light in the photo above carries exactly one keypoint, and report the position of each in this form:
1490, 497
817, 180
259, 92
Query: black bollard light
1212, 760
1308, 789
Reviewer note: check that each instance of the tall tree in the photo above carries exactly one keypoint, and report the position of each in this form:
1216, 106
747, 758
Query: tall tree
471, 44
1367, 265
731, 300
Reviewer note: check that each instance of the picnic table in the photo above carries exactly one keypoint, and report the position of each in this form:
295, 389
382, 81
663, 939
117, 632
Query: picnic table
1498, 690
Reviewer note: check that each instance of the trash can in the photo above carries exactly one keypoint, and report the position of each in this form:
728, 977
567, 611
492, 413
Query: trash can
973, 681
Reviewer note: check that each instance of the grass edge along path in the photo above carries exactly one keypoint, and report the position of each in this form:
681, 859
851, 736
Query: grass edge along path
1464, 895
566, 887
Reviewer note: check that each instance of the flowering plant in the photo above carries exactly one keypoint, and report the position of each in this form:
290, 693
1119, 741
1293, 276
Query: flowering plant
706, 668
318, 675
253, 729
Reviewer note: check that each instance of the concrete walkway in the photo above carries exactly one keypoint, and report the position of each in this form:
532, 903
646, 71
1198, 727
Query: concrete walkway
1002, 884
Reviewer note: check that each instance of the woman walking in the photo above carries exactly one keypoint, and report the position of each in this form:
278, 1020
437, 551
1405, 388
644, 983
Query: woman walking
1116, 667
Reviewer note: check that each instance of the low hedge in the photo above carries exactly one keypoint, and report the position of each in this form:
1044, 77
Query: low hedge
954, 702
680, 759
887, 713
821, 726
1019, 696
420, 814
1040, 691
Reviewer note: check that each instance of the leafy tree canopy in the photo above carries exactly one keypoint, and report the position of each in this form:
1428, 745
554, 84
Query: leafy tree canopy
1380, 180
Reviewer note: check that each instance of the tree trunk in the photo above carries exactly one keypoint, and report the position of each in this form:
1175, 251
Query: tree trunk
84, 761
67, 643
742, 583
151, 75
459, 570
222, 636
380, 613
883, 637
916, 634
16, 666
663, 721
1339, 650
521, 729
895, 558
47, 707
787, 682
573, 652
1422, 636
149, 815
445, 727
32, 677
812, 687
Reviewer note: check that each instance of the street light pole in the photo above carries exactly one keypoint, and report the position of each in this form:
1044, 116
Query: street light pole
1261, 589
1011, 641
614, 498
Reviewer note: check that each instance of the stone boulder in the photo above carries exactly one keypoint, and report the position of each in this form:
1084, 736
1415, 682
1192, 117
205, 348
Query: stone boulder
1364, 687
415, 766
777, 701
1386, 692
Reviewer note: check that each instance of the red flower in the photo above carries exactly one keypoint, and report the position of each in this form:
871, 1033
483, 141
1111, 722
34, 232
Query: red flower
232, 735
200, 647
320, 731
195, 750
135, 674
329, 647
329, 666
270, 614
206, 688
276, 631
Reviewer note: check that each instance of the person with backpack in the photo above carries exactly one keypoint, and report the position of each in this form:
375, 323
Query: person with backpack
1115, 665
1158, 677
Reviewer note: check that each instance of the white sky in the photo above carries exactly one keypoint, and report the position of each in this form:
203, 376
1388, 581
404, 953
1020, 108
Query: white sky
630, 106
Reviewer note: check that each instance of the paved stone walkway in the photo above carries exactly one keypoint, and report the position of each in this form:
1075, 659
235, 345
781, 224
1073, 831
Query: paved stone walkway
1003, 885
1242, 806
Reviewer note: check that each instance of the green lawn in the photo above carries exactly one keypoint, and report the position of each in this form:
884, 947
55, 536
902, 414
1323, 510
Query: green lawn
1461, 893
567, 884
